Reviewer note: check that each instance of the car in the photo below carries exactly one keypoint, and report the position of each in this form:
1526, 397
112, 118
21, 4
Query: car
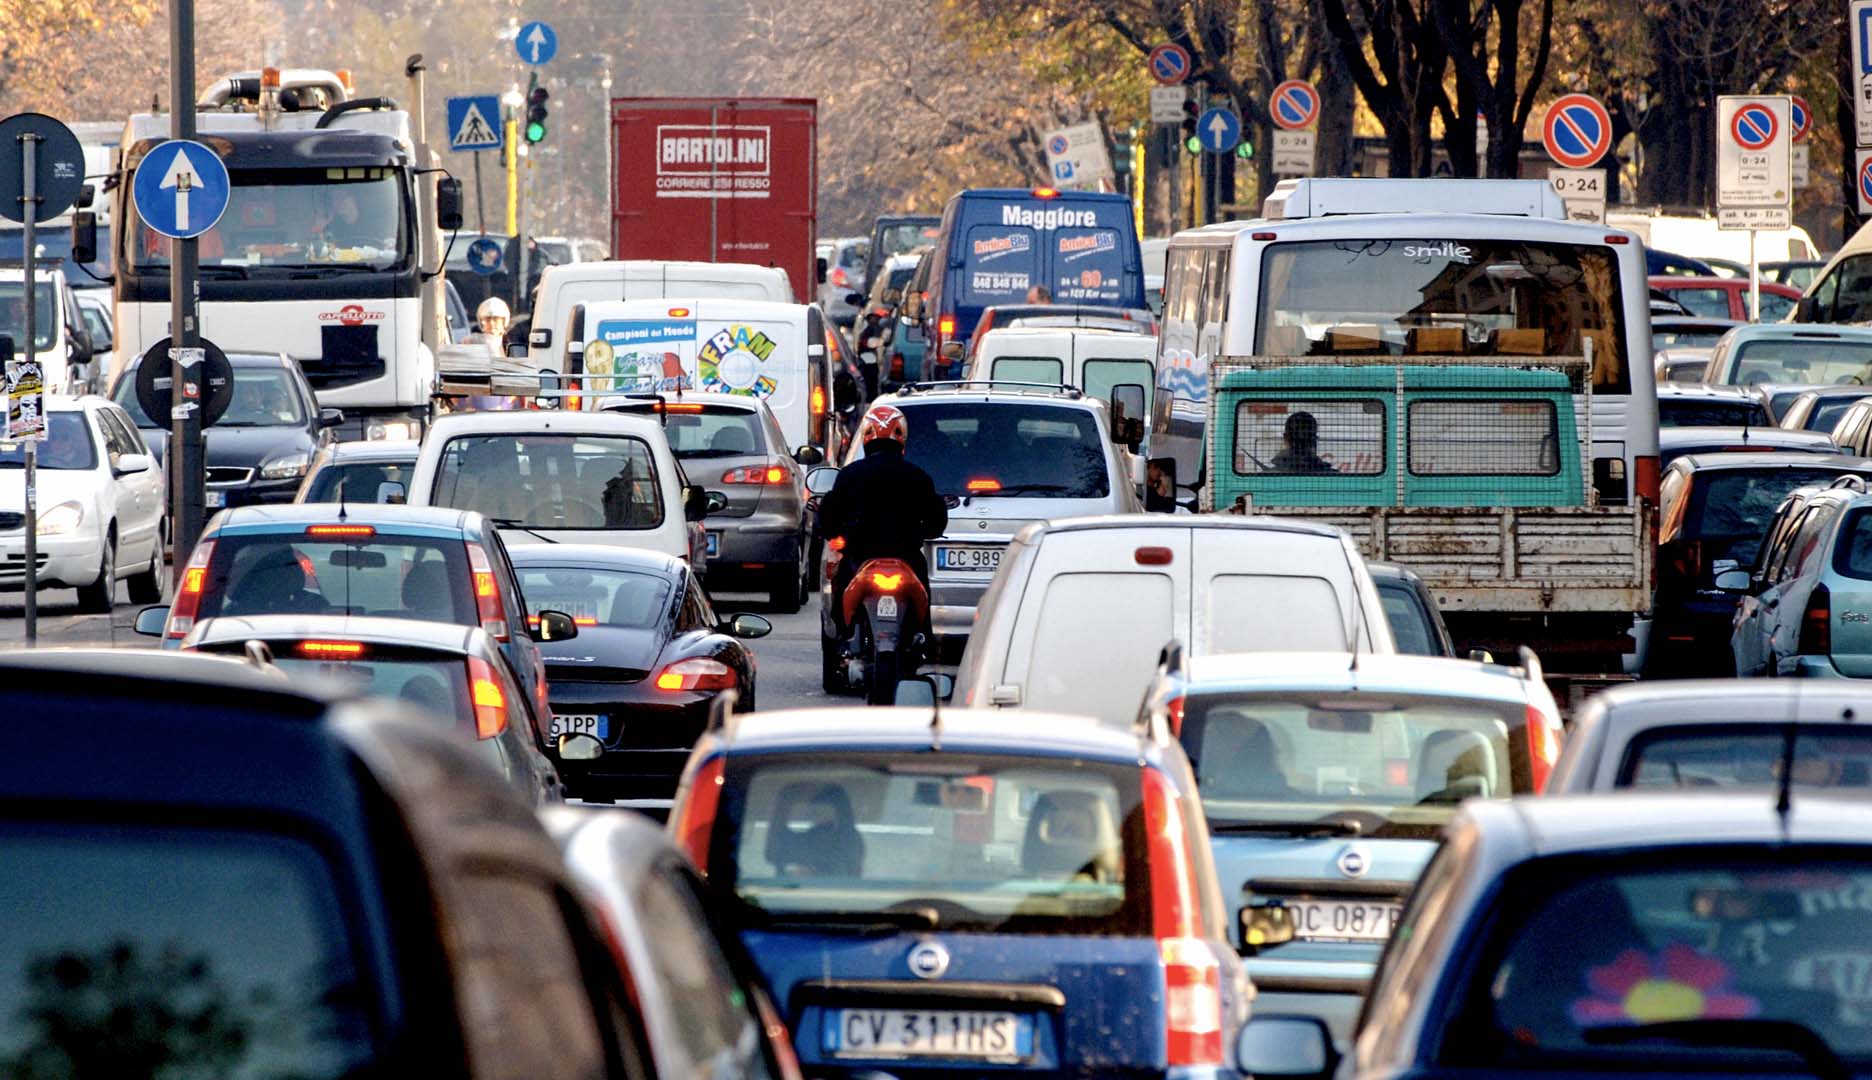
1080, 607
1682, 405
1798, 273
358, 471
1853, 430
1007, 456
1713, 512
1728, 297
564, 477
1716, 735
282, 880
934, 891
1119, 367
898, 235
1797, 353
1820, 408
94, 307
1799, 609
1663, 262
1688, 331
451, 673
1076, 316
650, 659
1411, 611
844, 277
760, 535
561, 288
1624, 934
1663, 304
903, 348
1780, 396
1681, 365
1674, 443
880, 310
260, 449
100, 506
1326, 779
62, 344
705, 1012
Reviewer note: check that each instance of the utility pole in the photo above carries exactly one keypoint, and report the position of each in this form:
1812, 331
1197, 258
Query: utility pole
187, 476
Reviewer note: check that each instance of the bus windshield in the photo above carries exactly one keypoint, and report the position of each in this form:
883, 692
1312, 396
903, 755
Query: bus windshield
1445, 298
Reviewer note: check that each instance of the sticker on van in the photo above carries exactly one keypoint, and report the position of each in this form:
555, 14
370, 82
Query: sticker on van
618, 351
732, 361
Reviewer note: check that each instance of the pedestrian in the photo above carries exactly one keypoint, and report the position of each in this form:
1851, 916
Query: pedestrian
1039, 294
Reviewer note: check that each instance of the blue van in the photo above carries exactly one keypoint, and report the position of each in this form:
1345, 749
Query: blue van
998, 243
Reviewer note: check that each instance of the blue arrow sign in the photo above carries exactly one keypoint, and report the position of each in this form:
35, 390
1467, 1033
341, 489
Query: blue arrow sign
1219, 130
484, 256
181, 189
537, 44
474, 122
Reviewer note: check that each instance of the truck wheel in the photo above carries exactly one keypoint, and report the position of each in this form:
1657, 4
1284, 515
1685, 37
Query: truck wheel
783, 588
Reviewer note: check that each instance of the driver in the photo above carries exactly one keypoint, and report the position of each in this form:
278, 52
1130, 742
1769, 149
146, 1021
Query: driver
884, 505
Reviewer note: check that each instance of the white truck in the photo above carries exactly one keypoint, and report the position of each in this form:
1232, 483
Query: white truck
330, 250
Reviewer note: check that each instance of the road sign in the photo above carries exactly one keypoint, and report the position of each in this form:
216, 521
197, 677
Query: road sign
1577, 131
1076, 156
1218, 130
25, 400
1754, 218
1861, 26
536, 43
154, 386
1801, 117
1169, 64
1582, 191
1293, 153
1799, 166
1294, 105
474, 122
1754, 165
181, 189
58, 171
1862, 168
1166, 104
484, 256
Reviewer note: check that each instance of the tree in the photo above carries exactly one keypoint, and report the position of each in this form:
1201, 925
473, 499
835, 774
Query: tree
1485, 43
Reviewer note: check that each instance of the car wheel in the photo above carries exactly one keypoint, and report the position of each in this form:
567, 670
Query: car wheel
744, 701
146, 587
97, 597
783, 588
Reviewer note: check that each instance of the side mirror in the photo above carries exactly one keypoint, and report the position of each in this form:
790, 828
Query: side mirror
516, 350
1734, 581
923, 690
448, 204
715, 502
821, 480
579, 748
854, 298
746, 626
84, 237
1806, 309
695, 503
151, 620
555, 626
132, 463
1285, 1046
1130, 433
330, 418
809, 455
1160, 486
951, 350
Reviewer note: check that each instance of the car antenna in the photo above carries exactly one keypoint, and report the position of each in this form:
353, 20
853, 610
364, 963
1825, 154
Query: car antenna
1784, 788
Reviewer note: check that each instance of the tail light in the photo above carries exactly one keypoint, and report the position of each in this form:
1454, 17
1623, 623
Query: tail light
984, 486
837, 543
696, 673
839, 277
574, 402
1173, 711
896, 367
1543, 739
1192, 975
331, 650
1816, 632
818, 401
887, 582
986, 324
695, 820
755, 474
487, 593
341, 532
188, 598
945, 327
1153, 556
1645, 478
490, 705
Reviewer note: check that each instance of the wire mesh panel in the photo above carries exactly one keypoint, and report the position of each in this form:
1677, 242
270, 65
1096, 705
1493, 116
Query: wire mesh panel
1311, 437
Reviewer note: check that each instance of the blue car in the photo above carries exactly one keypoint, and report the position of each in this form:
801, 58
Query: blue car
949, 896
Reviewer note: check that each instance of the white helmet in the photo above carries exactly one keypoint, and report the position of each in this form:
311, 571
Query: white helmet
492, 308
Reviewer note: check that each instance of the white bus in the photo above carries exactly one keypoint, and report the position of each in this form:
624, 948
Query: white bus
1373, 264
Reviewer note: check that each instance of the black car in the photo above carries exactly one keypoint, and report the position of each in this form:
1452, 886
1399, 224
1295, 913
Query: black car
231, 875
1412, 612
259, 450
644, 671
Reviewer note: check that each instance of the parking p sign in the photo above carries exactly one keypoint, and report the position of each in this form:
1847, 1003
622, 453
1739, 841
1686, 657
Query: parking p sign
1076, 156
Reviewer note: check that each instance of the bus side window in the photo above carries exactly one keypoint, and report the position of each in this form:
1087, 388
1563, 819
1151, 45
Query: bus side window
1215, 294
1183, 289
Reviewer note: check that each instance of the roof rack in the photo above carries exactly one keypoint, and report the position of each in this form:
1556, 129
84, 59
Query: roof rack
1849, 480
1066, 389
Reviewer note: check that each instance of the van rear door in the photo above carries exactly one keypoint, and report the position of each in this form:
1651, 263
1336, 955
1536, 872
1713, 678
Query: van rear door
1242, 574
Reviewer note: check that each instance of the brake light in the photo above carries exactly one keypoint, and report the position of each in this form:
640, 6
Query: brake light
490, 705
896, 367
1645, 478
1543, 739
1173, 711
1261, 236
678, 406
696, 820
487, 593
1617, 238
1045, 193
838, 277
341, 531
696, 673
755, 474
188, 597
1153, 556
1192, 975
331, 650
1816, 632
945, 326
887, 582
837, 543
818, 401
984, 484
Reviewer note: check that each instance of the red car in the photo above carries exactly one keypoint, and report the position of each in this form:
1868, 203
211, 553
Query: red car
1727, 298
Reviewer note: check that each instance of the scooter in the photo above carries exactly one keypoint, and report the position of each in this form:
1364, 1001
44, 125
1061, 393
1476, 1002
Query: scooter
885, 609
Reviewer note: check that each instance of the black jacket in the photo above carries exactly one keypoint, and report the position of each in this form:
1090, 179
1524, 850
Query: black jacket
883, 505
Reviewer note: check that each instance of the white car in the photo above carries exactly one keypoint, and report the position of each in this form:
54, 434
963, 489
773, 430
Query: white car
100, 500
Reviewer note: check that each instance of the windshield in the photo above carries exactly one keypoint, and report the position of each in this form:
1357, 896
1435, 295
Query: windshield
1747, 755
1595, 952
358, 481
1499, 297
54, 242
1730, 509
1810, 361
438, 685
1396, 767
906, 239
711, 434
552, 481
1686, 337
1006, 448
320, 222
67, 445
1410, 623
214, 952
402, 577
263, 397
1702, 412
597, 597
1015, 845
13, 314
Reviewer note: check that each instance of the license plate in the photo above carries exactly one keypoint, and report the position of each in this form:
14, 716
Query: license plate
578, 724
714, 544
216, 499
1343, 920
971, 559
931, 1033
887, 607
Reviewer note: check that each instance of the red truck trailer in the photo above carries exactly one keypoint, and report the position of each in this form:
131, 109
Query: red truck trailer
717, 180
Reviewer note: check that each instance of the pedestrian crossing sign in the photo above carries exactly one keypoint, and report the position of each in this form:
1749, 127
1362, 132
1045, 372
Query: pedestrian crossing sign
474, 123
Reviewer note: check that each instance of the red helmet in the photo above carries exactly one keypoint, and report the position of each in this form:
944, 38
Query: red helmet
884, 422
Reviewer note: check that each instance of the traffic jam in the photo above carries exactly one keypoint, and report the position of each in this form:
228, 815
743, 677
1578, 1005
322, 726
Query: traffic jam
1369, 633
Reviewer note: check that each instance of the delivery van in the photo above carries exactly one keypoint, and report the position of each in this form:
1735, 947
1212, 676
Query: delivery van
561, 287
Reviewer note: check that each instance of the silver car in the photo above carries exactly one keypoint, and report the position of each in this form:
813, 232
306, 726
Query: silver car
844, 277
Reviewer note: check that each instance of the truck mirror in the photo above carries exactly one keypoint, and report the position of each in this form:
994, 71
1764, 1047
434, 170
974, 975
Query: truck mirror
84, 237
448, 204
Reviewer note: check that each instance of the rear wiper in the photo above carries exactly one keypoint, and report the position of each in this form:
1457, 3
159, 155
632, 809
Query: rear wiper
912, 918
513, 523
1286, 828
1789, 1035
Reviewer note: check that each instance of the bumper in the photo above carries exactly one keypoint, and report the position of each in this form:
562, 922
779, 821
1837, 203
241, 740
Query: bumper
63, 561
257, 493
763, 539
953, 605
1809, 667
650, 733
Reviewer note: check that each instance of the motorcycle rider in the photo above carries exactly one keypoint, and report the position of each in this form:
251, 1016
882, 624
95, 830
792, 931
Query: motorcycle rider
884, 505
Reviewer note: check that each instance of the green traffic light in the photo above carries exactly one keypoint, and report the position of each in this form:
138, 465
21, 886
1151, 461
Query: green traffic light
535, 131
1244, 149
1193, 145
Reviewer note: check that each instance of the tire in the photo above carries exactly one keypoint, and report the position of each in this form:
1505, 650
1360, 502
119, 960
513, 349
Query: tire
814, 559
881, 679
147, 587
783, 588
831, 668
744, 702
98, 597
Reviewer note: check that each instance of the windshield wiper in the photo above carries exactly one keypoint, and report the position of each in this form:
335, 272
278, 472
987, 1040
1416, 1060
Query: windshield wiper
514, 523
1021, 489
221, 270
911, 918
1330, 827
1789, 1035
315, 270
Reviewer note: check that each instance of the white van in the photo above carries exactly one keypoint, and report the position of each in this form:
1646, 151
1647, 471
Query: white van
1081, 607
63, 350
1117, 367
562, 287
752, 348
1703, 238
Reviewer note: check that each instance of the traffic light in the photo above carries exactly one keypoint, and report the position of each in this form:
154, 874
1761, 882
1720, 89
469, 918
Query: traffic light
1191, 142
536, 111
1244, 149
1121, 150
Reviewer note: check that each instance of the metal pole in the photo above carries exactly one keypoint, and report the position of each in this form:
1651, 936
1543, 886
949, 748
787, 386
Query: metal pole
188, 496
29, 198
523, 300
480, 202
1754, 281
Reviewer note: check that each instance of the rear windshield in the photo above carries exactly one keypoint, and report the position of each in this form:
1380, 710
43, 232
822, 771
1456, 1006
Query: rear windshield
358, 482
1811, 361
1396, 767
597, 597
986, 843
904, 239
438, 684
1730, 509
1041, 451
552, 481
1036, 369
715, 433
1747, 755
1694, 412
159, 951
402, 577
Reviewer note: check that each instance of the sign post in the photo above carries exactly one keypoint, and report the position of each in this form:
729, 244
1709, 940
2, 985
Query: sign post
1860, 25
1578, 135
1754, 171
1294, 108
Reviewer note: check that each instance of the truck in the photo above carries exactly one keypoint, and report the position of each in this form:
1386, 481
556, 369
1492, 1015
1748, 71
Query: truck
330, 250
717, 180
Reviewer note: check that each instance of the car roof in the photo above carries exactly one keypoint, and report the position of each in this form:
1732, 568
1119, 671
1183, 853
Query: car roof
373, 630
702, 307
1746, 460
528, 421
386, 516
1336, 672
1706, 390
1062, 395
1098, 333
594, 555
1151, 523
1619, 822
1040, 734
1672, 282
236, 359
1825, 331
1765, 434
174, 675
1733, 701
376, 450
1835, 390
